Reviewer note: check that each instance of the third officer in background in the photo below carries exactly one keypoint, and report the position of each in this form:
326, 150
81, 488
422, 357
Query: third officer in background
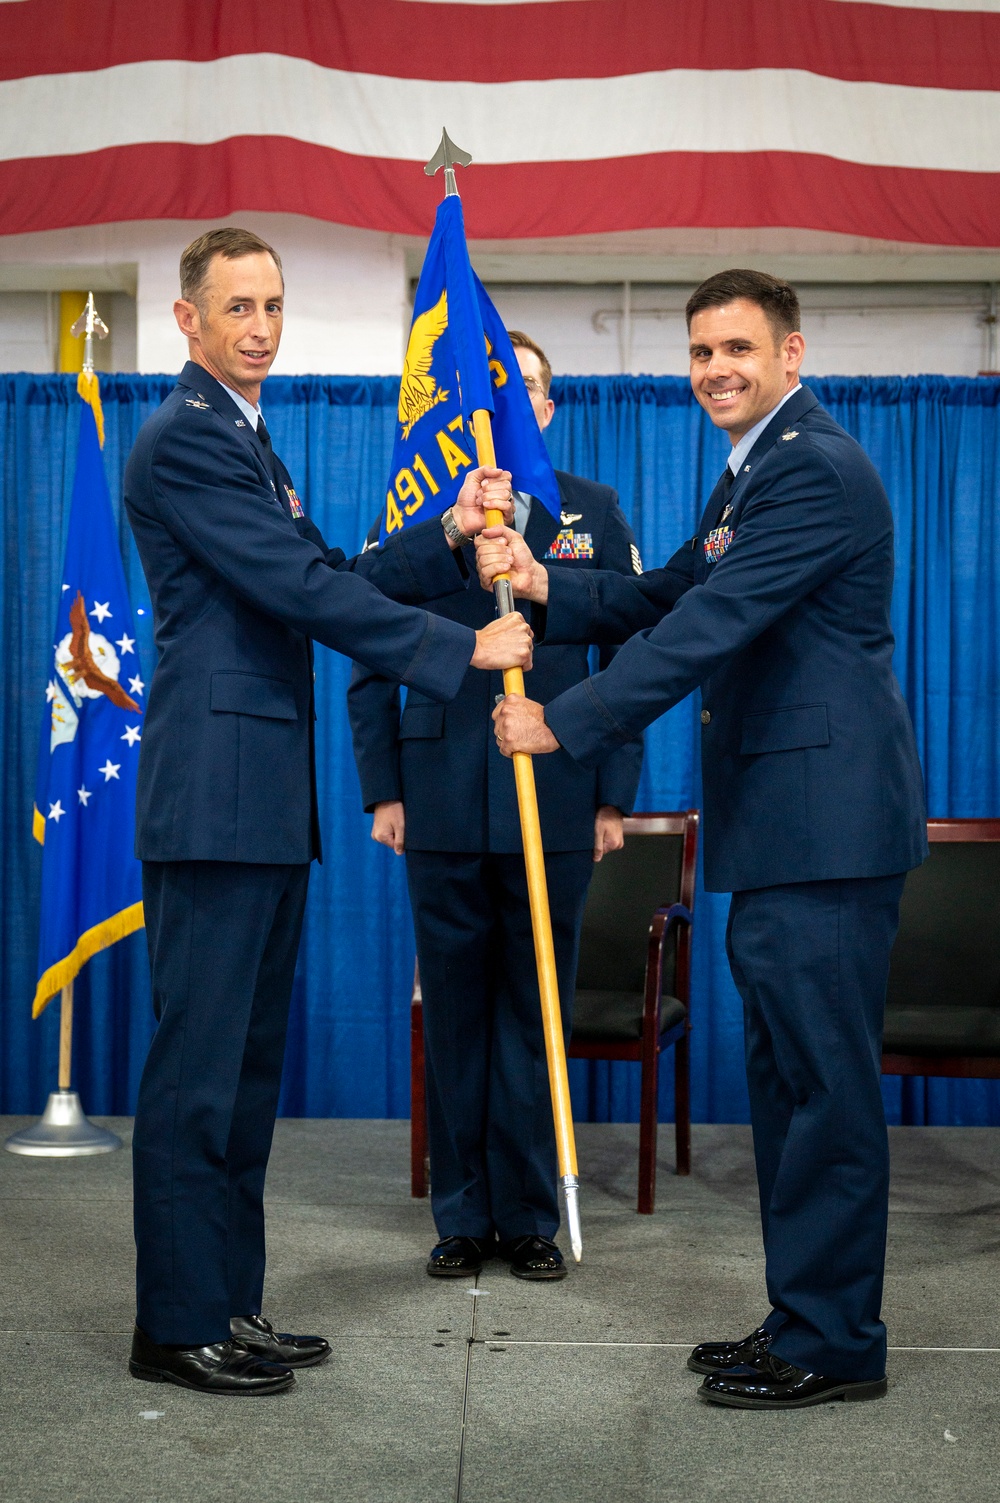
439, 790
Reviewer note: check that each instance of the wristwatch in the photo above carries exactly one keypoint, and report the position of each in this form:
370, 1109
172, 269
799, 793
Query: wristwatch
452, 529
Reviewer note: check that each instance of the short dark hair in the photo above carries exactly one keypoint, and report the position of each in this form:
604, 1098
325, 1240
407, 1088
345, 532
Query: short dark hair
232, 244
778, 299
525, 342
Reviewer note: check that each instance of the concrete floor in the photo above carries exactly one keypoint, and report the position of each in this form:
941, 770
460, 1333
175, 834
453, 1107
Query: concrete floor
496, 1391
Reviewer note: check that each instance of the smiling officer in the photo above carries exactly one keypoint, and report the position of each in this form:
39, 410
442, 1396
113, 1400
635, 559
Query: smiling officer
778, 608
226, 819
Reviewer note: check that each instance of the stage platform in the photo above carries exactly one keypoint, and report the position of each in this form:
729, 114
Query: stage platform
497, 1391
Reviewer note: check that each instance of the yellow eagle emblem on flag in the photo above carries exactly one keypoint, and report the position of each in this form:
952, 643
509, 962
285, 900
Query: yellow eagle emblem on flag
418, 390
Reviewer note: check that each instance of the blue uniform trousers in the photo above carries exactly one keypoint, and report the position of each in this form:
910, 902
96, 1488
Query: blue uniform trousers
811, 962
489, 1111
223, 938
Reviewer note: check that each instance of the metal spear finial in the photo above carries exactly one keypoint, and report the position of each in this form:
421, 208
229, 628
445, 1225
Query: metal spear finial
89, 323
449, 156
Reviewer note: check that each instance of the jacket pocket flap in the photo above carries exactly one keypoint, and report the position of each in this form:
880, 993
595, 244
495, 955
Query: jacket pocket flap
421, 722
253, 694
790, 729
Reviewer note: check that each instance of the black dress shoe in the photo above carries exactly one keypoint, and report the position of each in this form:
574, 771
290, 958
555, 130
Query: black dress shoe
224, 1367
533, 1257
459, 1257
257, 1335
719, 1356
769, 1383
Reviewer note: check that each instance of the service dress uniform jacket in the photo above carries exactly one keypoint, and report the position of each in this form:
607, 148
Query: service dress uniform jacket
489, 1119
779, 609
241, 582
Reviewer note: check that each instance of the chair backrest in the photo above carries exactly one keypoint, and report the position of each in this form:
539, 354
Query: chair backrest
947, 951
655, 867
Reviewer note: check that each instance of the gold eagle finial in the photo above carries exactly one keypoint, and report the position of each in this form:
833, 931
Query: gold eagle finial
418, 390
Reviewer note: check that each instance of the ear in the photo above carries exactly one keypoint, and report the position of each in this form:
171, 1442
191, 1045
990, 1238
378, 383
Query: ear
547, 412
794, 347
188, 318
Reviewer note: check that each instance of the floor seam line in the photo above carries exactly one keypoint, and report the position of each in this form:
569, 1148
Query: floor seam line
470, 1342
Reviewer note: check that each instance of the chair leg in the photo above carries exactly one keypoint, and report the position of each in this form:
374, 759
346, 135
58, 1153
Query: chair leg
682, 1103
418, 1104
648, 1119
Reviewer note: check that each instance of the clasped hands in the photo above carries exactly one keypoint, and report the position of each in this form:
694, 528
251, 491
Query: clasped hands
519, 723
506, 642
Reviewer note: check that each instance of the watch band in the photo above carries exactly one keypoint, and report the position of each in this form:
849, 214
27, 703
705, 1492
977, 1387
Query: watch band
452, 528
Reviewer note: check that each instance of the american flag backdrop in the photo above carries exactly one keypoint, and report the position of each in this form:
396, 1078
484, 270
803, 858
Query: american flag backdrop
582, 115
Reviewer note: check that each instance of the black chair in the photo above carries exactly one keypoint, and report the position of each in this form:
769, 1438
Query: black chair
633, 981
942, 1013
632, 984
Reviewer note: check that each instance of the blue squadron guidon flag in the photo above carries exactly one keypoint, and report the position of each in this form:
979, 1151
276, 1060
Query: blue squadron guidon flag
458, 360
89, 751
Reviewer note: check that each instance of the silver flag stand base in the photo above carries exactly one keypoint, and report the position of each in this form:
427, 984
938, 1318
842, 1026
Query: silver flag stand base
63, 1132
571, 1186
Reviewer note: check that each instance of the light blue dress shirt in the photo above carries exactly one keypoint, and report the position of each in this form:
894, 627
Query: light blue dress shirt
252, 413
746, 443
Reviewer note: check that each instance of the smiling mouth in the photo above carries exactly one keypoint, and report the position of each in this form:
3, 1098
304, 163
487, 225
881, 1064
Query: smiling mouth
725, 396
255, 354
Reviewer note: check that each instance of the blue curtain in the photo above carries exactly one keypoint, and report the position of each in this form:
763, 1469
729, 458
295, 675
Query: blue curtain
936, 442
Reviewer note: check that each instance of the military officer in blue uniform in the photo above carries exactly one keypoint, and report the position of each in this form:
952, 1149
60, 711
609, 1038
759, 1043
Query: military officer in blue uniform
437, 787
226, 827
779, 609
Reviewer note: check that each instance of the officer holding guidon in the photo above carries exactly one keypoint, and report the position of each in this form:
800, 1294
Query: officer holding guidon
241, 581
779, 609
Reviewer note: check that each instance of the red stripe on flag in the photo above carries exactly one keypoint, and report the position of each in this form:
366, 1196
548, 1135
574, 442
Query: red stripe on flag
489, 44
715, 189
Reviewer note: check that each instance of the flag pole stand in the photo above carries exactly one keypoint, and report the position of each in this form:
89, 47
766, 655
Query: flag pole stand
63, 1132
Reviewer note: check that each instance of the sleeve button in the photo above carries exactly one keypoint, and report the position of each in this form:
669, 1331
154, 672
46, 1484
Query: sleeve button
706, 717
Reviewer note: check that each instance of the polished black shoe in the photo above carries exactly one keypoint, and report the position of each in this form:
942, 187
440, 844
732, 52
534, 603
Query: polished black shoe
719, 1356
224, 1367
257, 1335
533, 1257
769, 1383
459, 1257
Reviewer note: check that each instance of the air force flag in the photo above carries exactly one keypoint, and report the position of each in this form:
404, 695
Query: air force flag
91, 729
458, 360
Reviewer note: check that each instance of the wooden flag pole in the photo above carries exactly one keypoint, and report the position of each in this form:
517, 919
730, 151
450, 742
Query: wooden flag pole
66, 1037
538, 898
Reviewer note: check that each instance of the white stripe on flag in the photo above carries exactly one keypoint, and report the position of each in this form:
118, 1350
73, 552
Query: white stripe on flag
681, 110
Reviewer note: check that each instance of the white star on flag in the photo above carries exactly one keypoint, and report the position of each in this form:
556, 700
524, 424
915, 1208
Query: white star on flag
100, 611
136, 685
110, 770
56, 810
83, 794
131, 734
50, 690
125, 644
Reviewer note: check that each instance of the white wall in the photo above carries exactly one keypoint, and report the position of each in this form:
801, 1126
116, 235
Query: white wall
346, 307
868, 308
850, 330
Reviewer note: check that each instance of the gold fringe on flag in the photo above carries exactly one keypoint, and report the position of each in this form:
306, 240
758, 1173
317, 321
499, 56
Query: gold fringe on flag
108, 932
